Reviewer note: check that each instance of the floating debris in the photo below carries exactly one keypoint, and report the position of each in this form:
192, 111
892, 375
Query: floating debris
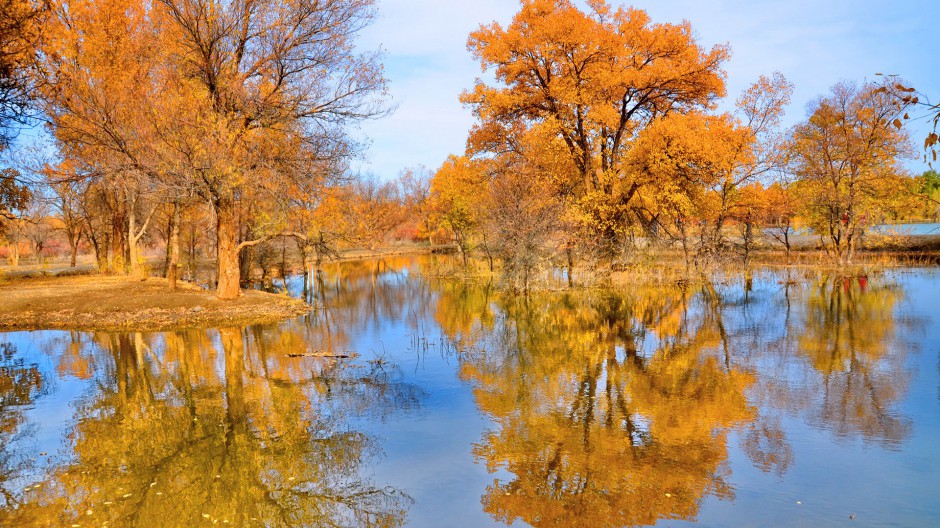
325, 354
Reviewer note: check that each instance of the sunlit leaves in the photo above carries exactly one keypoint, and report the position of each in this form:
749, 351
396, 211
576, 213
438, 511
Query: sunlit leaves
594, 79
846, 157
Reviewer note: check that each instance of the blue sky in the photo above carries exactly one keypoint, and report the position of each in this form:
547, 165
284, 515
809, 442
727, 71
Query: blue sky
814, 43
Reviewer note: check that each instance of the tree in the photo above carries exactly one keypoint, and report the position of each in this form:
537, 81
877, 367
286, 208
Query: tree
929, 186
906, 96
373, 209
846, 161
683, 158
458, 191
104, 64
20, 26
14, 196
594, 80
66, 201
779, 212
524, 218
227, 101
264, 81
415, 183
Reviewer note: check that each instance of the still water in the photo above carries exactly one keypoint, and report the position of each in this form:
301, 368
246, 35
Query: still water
789, 400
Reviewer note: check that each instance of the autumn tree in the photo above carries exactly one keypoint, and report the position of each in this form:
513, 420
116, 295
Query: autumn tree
681, 158
594, 79
220, 100
778, 213
259, 80
759, 111
20, 25
459, 190
14, 195
102, 64
906, 96
19, 31
846, 158
524, 219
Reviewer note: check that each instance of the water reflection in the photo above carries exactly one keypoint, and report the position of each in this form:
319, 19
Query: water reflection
615, 409
847, 334
20, 384
221, 426
604, 408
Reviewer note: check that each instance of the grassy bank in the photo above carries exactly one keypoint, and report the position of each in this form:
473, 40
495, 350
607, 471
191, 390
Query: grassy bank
98, 302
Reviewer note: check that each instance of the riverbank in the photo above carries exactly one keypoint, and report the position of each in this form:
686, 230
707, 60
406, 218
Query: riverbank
110, 303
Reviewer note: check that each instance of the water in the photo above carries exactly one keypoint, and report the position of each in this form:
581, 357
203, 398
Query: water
915, 229
924, 229
792, 399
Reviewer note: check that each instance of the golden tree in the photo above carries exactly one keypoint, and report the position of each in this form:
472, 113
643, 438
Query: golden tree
846, 158
595, 79
264, 78
459, 190
228, 101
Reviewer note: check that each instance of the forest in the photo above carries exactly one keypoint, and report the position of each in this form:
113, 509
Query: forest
180, 132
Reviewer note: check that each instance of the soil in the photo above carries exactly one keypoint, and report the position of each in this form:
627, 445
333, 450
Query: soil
109, 303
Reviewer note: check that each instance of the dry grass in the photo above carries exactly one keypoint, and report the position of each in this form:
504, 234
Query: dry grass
118, 303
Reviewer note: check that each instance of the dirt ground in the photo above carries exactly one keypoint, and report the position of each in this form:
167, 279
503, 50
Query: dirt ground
98, 302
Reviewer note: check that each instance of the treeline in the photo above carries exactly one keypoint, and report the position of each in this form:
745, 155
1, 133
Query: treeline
601, 129
213, 128
66, 219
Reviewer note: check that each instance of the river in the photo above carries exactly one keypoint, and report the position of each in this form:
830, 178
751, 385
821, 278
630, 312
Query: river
789, 399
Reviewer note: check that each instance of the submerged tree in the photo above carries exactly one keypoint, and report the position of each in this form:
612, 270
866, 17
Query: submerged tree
846, 158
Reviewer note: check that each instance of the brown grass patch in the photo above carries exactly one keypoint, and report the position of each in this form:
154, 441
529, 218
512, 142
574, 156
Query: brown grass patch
118, 303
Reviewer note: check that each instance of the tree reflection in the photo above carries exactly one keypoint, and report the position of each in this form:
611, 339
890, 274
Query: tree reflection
199, 426
20, 384
616, 409
611, 410
848, 336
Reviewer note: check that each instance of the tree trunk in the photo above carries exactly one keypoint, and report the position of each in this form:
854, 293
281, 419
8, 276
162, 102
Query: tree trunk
99, 258
192, 250
118, 242
246, 262
73, 246
227, 248
133, 257
173, 247
568, 253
